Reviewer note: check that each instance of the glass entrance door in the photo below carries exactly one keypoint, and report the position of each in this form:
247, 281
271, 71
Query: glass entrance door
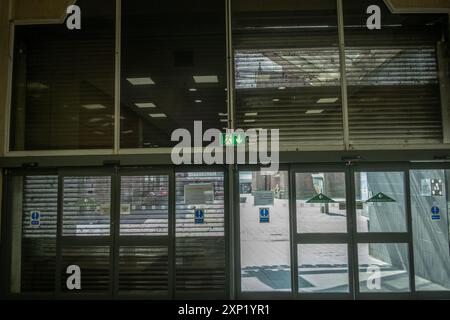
382, 230
322, 237
342, 231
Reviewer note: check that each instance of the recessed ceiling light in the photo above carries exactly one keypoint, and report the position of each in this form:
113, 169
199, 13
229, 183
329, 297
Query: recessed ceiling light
158, 115
192, 89
251, 114
314, 111
145, 105
327, 100
249, 120
198, 101
281, 88
93, 106
92, 120
276, 100
206, 79
140, 81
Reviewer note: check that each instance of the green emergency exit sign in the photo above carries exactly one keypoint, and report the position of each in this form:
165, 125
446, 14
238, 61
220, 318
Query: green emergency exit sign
233, 139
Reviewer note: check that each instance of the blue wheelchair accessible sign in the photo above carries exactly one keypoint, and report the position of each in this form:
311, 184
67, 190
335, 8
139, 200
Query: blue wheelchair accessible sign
264, 215
199, 216
35, 218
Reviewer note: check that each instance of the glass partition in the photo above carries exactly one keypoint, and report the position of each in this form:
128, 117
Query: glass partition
63, 83
173, 69
392, 74
287, 76
430, 213
264, 232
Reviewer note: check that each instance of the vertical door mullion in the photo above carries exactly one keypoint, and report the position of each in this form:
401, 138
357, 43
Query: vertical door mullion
293, 232
351, 224
237, 230
409, 224
171, 244
115, 230
59, 221
353, 245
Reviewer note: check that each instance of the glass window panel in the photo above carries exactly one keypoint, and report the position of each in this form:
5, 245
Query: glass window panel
144, 205
95, 266
200, 238
392, 75
33, 254
87, 206
430, 213
323, 268
63, 82
321, 202
265, 246
383, 267
144, 269
173, 69
287, 75
380, 201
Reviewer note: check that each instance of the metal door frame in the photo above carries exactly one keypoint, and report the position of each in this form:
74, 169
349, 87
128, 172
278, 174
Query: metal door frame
143, 240
323, 238
208, 295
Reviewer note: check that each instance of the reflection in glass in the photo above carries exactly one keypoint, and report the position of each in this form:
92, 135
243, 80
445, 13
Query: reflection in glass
321, 202
323, 268
430, 213
173, 69
287, 70
200, 244
63, 82
383, 267
87, 206
144, 205
265, 255
392, 75
380, 201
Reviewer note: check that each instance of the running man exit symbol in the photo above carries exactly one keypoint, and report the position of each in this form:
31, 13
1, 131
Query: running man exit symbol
264, 215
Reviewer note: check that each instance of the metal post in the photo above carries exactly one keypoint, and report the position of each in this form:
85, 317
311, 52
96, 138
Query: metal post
117, 76
444, 87
343, 70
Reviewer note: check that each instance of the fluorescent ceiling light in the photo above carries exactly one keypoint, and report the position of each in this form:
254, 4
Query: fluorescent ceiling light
327, 100
145, 105
223, 120
158, 115
276, 100
100, 133
314, 111
36, 86
127, 132
92, 120
251, 114
281, 88
198, 101
206, 79
140, 81
192, 89
93, 106
249, 120
223, 114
